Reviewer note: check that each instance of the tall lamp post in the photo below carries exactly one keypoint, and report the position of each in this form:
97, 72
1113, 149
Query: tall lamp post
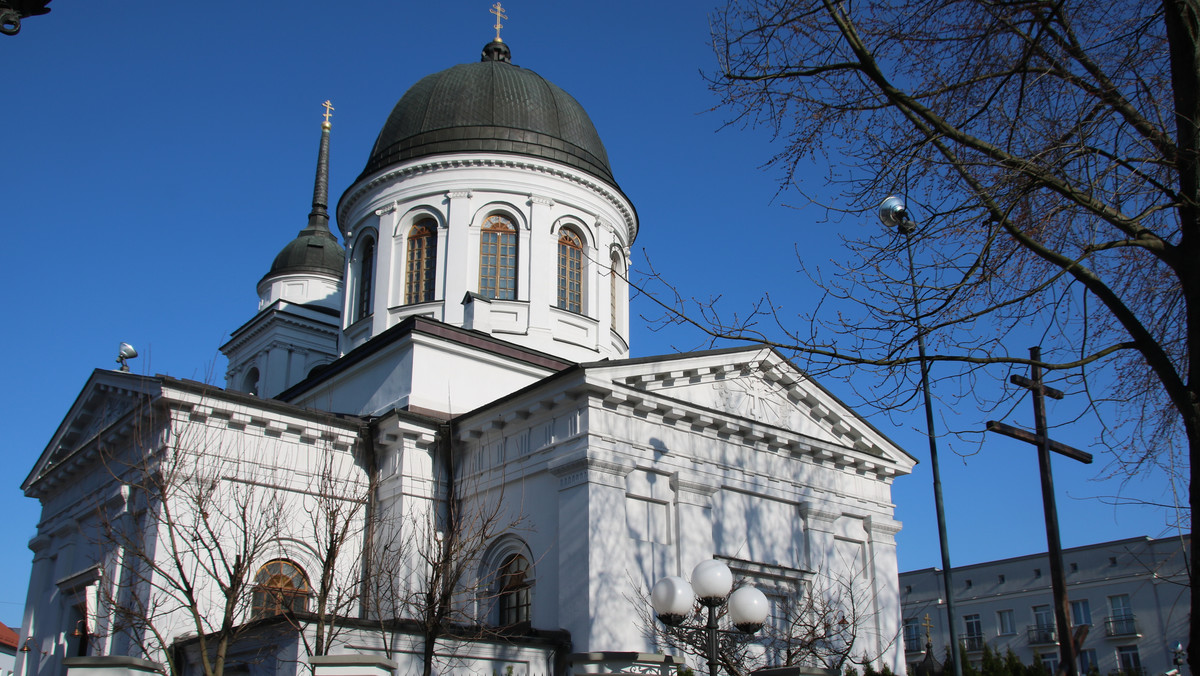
894, 214
674, 600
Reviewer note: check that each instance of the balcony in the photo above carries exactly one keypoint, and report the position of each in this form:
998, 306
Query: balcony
1040, 634
972, 644
1125, 625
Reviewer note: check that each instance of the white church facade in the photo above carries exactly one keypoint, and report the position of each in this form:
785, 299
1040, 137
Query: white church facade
450, 396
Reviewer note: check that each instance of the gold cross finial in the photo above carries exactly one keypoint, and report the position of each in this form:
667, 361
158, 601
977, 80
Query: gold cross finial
328, 112
499, 12
928, 624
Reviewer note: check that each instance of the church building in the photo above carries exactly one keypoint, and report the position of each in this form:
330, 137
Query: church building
434, 420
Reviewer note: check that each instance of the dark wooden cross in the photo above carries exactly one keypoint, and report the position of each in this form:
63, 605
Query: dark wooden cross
1068, 643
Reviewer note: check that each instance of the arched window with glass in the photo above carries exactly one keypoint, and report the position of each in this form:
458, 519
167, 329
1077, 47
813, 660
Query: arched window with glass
366, 278
498, 258
421, 266
279, 587
514, 591
570, 271
615, 270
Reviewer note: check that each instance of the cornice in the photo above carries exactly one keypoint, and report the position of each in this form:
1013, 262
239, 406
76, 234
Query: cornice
612, 196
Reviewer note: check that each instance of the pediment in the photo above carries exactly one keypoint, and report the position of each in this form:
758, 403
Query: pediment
107, 398
759, 394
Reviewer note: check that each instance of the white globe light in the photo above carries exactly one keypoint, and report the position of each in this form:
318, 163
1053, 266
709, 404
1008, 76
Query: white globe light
672, 600
748, 609
711, 581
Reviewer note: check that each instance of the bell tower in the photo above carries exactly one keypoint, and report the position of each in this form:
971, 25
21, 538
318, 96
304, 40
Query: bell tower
299, 303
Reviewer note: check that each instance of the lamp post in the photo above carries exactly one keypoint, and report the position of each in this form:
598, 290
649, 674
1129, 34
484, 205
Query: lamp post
893, 214
674, 600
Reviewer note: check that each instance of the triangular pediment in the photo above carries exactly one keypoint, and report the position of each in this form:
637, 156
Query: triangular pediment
106, 398
755, 392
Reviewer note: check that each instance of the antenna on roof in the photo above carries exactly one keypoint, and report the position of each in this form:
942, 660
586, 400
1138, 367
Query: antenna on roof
124, 353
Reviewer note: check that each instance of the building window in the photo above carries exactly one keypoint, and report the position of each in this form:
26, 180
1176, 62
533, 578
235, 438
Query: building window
1081, 613
973, 636
498, 259
366, 279
250, 384
570, 271
279, 587
1120, 621
912, 635
1004, 620
1128, 660
1042, 630
1049, 662
614, 270
514, 590
422, 262
1088, 663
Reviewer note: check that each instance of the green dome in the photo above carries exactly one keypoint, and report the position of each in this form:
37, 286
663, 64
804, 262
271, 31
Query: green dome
490, 106
311, 251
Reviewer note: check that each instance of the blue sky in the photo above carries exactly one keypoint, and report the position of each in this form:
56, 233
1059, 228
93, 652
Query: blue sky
157, 155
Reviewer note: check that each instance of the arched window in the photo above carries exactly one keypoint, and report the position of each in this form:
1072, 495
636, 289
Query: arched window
570, 271
614, 271
366, 278
422, 262
514, 590
250, 384
498, 259
279, 587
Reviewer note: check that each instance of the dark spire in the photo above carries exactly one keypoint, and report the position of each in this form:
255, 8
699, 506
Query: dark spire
315, 249
318, 218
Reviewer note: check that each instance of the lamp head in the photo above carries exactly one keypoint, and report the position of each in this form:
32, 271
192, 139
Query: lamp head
124, 353
894, 214
672, 600
712, 580
748, 609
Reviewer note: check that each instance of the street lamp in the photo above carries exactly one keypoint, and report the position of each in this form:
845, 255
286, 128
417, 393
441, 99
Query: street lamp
674, 600
894, 214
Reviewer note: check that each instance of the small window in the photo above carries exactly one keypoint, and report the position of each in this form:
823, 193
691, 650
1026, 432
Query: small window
614, 271
1088, 663
250, 384
498, 259
973, 625
912, 635
279, 587
365, 279
570, 271
969, 584
1037, 572
1005, 622
421, 269
1129, 660
514, 590
1081, 613
1001, 579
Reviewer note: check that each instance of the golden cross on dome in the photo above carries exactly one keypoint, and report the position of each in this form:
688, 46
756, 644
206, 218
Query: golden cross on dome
499, 12
328, 110
928, 624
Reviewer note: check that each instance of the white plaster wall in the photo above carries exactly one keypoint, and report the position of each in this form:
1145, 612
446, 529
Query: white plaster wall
459, 192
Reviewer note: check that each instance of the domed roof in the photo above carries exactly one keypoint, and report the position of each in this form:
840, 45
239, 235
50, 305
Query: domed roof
311, 251
490, 106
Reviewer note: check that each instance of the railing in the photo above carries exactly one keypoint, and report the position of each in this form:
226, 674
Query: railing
1041, 634
972, 643
1125, 625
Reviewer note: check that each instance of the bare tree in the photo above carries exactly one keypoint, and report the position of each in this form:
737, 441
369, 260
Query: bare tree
1049, 151
193, 530
823, 625
426, 563
335, 530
